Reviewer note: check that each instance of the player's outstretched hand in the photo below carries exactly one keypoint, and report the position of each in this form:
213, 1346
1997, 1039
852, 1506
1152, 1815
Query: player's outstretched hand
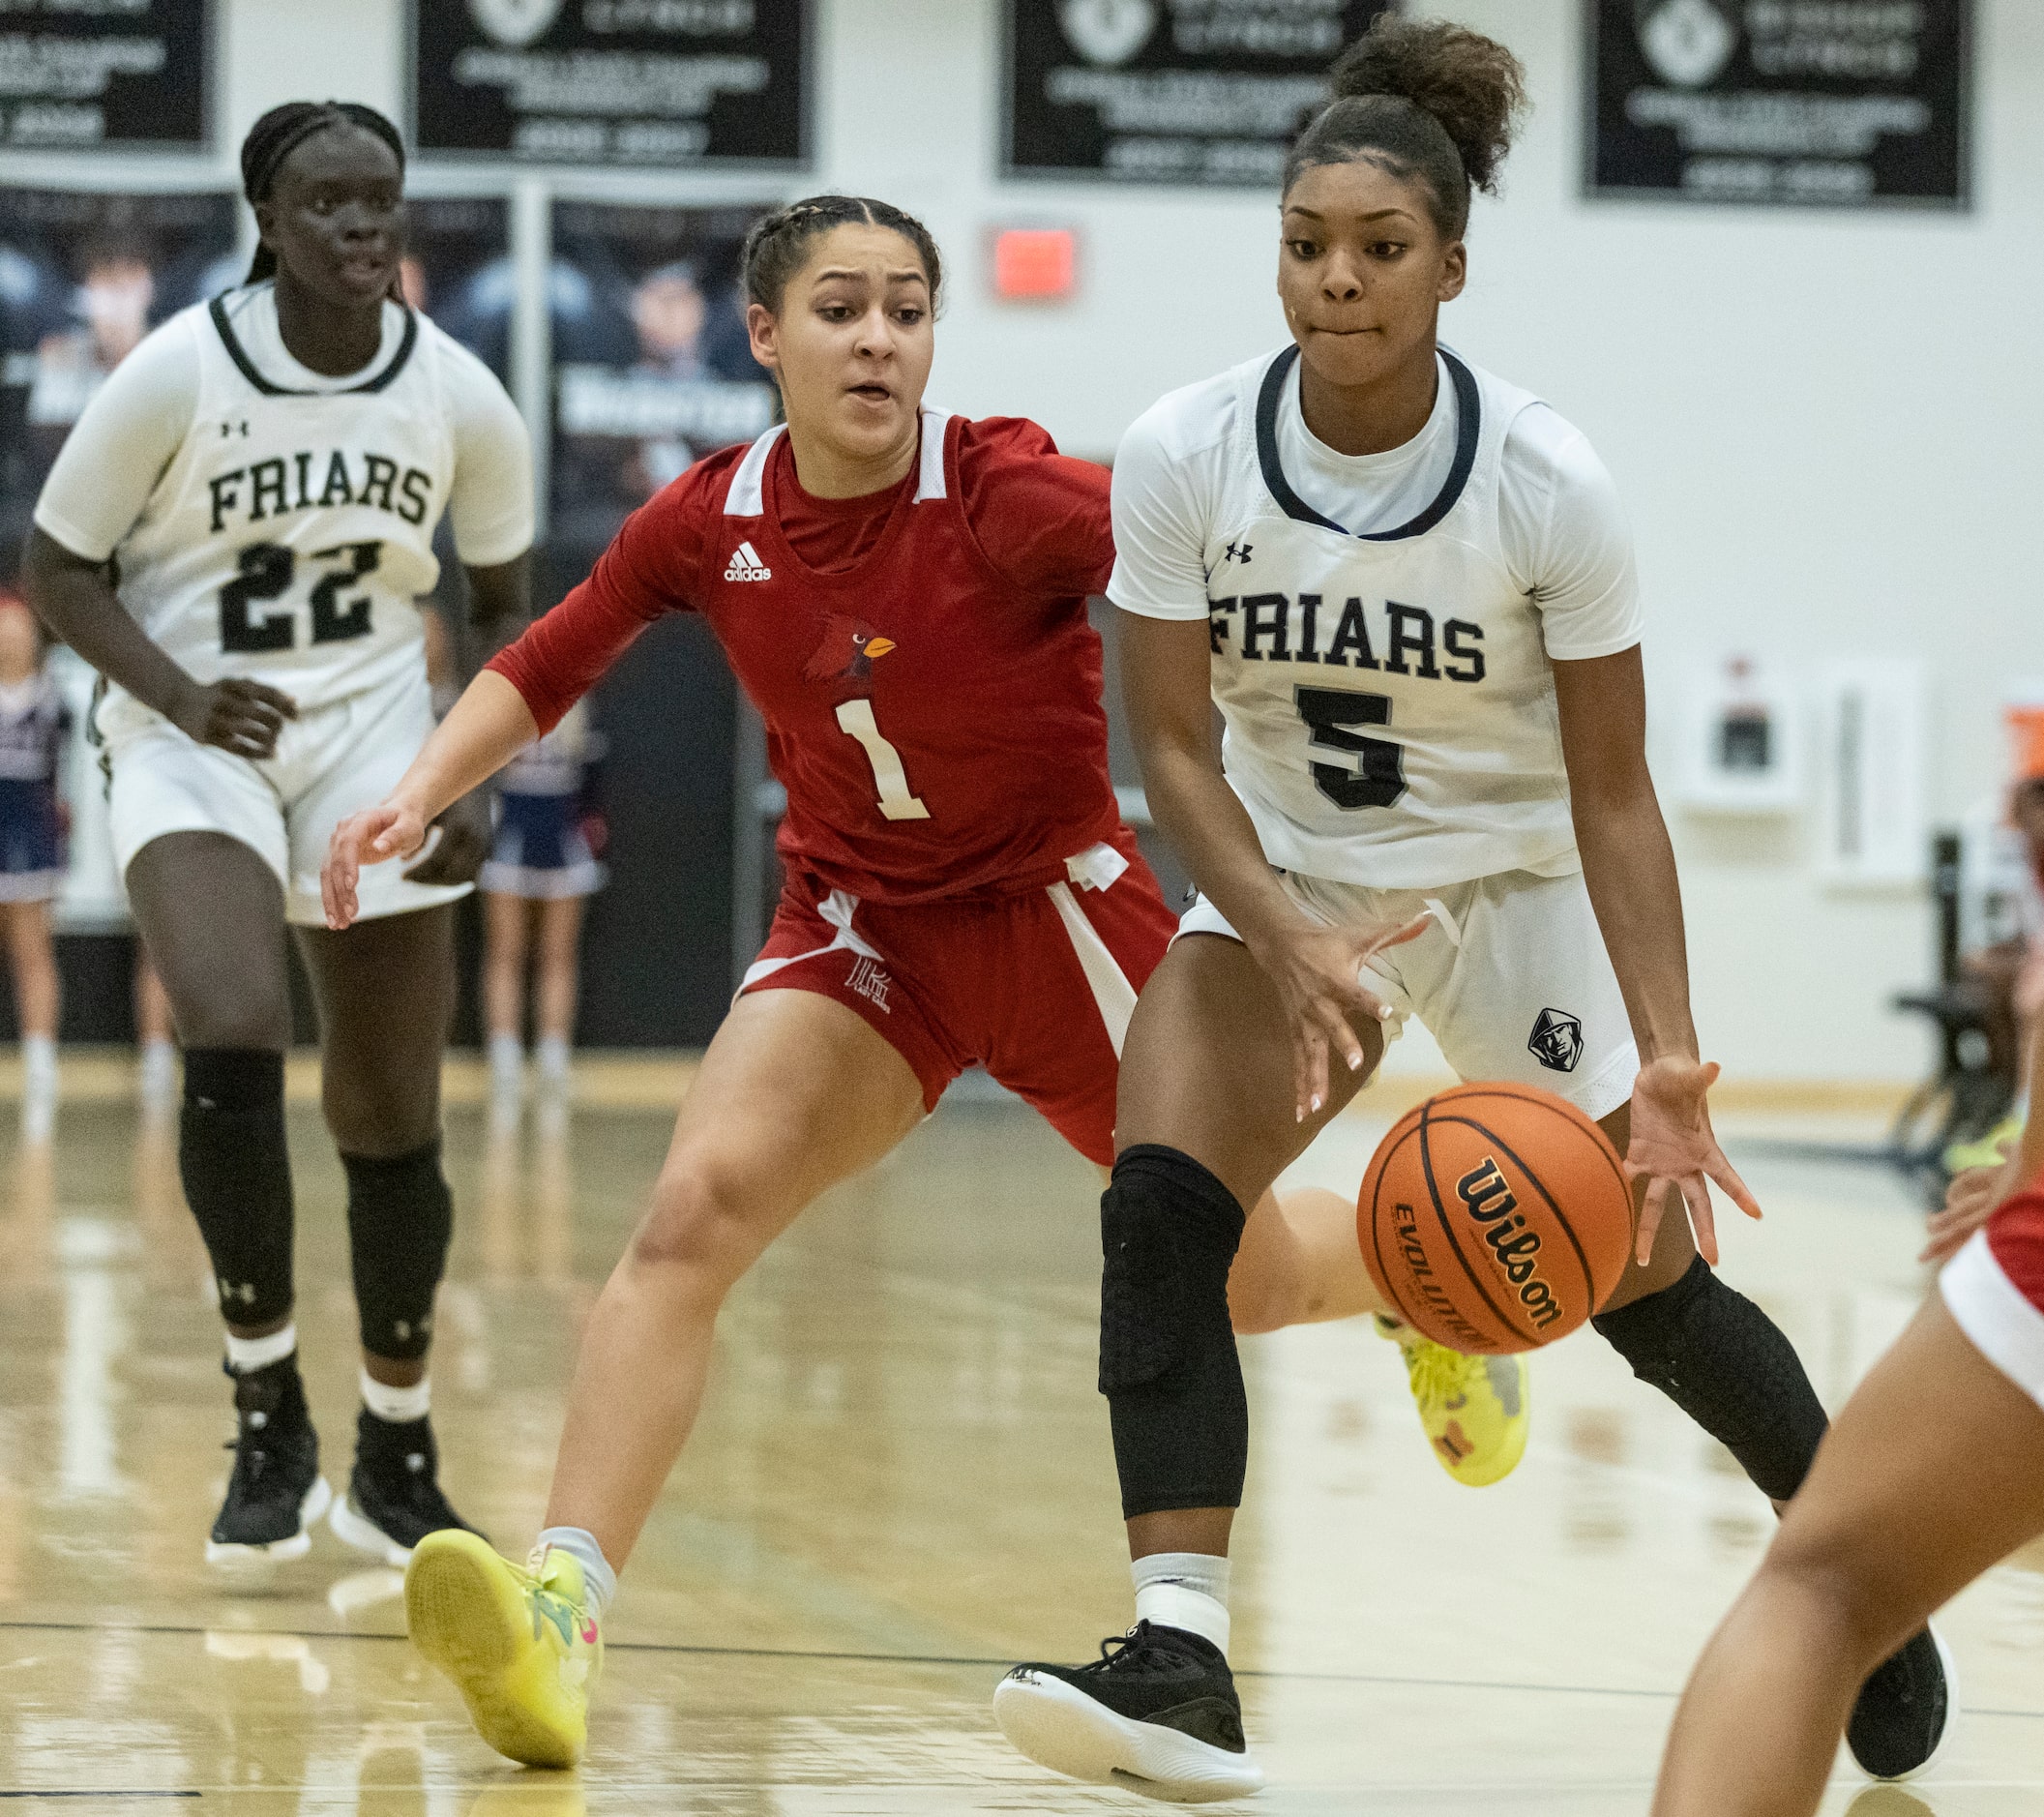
1319, 974
1673, 1148
236, 714
457, 854
1969, 1201
369, 836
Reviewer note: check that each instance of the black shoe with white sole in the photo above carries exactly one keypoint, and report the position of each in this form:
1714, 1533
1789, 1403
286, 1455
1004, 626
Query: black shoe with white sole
1155, 1714
1903, 1716
276, 1492
394, 1498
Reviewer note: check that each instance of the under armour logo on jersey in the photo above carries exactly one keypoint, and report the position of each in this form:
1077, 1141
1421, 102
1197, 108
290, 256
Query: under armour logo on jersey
1558, 1041
746, 565
1239, 553
228, 431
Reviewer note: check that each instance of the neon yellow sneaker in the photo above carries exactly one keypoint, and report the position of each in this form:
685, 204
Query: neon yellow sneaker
519, 1643
1990, 1150
1474, 1410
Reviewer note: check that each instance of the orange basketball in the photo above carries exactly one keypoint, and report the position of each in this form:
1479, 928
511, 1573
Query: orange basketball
1494, 1219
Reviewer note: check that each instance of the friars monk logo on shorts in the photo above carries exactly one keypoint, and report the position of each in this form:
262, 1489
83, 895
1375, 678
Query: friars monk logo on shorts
849, 649
1489, 1202
1556, 1041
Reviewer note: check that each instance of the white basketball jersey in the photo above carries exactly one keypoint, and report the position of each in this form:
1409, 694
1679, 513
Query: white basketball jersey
1388, 701
290, 535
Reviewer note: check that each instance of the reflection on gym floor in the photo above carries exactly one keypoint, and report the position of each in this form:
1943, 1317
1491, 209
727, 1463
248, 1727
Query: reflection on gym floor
901, 1483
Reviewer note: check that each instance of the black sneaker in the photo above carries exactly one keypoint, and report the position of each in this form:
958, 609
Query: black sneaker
1903, 1716
276, 1492
1156, 1713
394, 1498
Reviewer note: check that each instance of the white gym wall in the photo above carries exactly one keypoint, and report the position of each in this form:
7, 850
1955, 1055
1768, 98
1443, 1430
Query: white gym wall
1827, 424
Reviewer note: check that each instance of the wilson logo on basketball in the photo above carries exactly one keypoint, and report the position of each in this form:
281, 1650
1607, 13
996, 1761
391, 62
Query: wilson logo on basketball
1490, 1203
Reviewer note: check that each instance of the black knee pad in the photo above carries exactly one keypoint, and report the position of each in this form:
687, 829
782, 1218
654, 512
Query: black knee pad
1169, 1232
400, 1218
237, 1176
1727, 1365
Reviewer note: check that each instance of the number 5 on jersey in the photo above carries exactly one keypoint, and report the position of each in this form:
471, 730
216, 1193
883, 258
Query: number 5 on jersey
897, 802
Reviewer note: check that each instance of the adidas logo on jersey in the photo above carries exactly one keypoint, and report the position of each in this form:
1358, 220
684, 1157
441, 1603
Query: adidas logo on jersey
746, 565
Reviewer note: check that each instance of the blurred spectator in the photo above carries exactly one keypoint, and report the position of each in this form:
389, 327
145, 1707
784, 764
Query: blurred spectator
2009, 969
156, 1082
545, 863
33, 725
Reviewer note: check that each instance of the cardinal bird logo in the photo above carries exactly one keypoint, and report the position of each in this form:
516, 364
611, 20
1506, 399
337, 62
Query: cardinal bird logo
849, 649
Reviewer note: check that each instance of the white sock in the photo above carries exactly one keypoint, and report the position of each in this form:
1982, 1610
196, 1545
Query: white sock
553, 1056
247, 1355
598, 1579
38, 1063
507, 1057
396, 1405
1184, 1589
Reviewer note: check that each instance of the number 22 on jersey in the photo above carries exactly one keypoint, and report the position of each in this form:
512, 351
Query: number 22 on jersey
897, 801
266, 572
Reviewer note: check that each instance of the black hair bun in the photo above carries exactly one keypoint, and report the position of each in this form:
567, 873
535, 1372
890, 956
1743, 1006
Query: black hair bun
1471, 83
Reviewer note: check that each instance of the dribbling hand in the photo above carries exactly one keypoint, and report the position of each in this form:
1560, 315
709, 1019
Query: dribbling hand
1318, 971
369, 836
1674, 1148
238, 715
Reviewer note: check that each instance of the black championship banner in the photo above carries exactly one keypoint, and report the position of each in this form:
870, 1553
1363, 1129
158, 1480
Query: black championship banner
662, 83
1208, 92
130, 74
83, 277
1845, 103
457, 269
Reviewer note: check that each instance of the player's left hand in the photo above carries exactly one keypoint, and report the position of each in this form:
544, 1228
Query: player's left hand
457, 854
1674, 1148
1969, 1201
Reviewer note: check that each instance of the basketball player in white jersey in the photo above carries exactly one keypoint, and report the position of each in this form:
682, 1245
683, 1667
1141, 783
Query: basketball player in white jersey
1410, 589
234, 536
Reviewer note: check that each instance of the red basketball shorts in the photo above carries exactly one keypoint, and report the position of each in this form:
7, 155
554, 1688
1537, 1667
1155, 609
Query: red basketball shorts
1994, 1288
1036, 987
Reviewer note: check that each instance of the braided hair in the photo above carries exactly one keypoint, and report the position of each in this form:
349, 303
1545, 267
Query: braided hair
281, 132
779, 242
1423, 99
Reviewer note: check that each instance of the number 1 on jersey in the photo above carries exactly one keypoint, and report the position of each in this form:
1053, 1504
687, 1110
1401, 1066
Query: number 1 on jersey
897, 803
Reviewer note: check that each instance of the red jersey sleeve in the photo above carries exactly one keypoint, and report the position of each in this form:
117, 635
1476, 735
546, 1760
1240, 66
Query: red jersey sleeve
1040, 518
650, 569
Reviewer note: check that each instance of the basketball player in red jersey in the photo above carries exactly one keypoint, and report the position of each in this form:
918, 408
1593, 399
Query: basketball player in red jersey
1933, 1472
902, 596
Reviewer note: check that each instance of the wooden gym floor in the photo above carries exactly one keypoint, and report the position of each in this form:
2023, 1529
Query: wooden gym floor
902, 1484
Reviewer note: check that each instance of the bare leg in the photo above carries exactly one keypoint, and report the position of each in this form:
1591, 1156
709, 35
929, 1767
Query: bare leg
504, 926
1299, 1263
1207, 1069
1933, 1472
795, 1093
560, 968
35, 968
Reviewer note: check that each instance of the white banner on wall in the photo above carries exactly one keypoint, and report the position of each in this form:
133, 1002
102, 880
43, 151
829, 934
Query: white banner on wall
1874, 831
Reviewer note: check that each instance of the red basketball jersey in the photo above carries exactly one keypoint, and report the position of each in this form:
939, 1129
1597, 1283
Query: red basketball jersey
935, 718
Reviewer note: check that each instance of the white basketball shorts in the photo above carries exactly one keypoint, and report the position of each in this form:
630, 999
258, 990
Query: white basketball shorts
1512, 978
1994, 1290
329, 761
